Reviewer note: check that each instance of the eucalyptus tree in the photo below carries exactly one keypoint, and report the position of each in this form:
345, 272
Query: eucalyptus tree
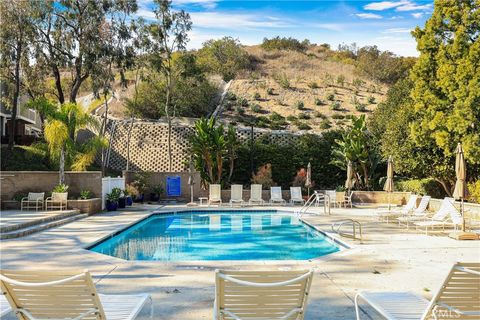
72, 36
16, 36
166, 35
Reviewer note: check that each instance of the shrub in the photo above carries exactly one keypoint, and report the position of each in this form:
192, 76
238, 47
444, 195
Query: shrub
131, 190
335, 105
319, 115
427, 186
474, 189
282, 80
291, 118
19, 196
276, 117
256, 108
371, 99
243, 102
300, 105
256, 96
264, 176
330, 97
270, 91
313, 85
240, 110
303, 126
357, 83
341, 80
284, 43
360, 107
318, 102
86, 194
325, 124
338, 116
230, 96
304, 116
61, 188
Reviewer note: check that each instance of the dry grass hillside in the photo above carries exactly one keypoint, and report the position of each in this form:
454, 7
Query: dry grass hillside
299, 91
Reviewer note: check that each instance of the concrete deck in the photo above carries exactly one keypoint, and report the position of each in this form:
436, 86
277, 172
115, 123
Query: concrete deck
18, 217
389, 258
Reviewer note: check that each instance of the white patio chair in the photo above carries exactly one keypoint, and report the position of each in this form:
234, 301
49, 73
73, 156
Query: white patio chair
34, 200
215, 194
419, 213
383, 214
276, 195
236, 195
261, 295
348, 199
58, 200
256, 194
35, 295
457, 298
332, 195
446, 215
296, 195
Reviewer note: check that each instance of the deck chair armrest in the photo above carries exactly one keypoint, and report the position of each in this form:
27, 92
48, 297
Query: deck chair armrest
24, 199
49, 199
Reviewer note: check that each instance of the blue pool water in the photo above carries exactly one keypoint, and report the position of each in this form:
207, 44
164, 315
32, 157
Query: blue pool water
219, 235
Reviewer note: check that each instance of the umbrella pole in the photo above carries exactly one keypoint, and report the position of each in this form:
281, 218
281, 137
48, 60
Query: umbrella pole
462, 209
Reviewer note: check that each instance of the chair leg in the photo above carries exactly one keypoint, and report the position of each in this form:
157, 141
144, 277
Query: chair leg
357, 309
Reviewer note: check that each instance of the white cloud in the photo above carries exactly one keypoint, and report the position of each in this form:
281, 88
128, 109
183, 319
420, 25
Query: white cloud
413, 7
209, 4
406, 47
397, 30
329, 26
224, 20
368, 16
417, 15
384, 5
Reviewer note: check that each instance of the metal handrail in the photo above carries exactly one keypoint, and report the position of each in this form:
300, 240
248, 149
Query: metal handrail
316, 198
336, 226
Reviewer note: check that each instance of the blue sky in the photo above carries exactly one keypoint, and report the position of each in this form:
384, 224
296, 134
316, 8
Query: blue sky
386, 24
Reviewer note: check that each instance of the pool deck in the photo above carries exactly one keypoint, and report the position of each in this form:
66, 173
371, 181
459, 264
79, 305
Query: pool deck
390, 258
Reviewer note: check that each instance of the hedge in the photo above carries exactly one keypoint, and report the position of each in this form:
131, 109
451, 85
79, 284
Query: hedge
427, 186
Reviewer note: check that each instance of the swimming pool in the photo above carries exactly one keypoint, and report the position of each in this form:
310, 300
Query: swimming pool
218, 235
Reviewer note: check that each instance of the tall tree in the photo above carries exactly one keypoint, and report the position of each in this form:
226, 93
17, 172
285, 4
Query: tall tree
446, 94
169, 33
72, 37
16, 26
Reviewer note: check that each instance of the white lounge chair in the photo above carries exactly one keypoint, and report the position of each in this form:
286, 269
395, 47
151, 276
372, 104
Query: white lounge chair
276, 195
236, 194
261, 295
447, 215
296, 195
58, 200
34, 200
419, 213
256, 194
383, 214
215, 194
457, 298
4, 306
72, 295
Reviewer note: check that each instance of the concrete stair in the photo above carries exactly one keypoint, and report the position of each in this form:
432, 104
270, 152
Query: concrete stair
34, 226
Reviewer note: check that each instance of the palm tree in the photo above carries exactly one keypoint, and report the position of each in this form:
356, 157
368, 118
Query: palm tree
61, 132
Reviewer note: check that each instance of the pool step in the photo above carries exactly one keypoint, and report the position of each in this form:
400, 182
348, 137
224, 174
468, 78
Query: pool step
42, 224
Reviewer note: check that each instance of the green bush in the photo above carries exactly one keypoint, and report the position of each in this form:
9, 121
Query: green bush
282, 80
256, 96
240, 110
360, 107
325, 124
371, 99
318, 102
270, 91
86, 194
300, 105
284, 43
303, 126
335, 106
243, 102
338, 116
291, 118
256, 108
341, 80
319, 115
425, 186
230, 96
330, 97
474, 189
313, 85
304, 116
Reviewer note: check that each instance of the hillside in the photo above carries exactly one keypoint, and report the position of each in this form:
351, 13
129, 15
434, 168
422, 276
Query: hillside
293, 90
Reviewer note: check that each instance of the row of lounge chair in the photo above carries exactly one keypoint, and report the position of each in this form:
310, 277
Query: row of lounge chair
420, 217
236, 195
37, 201
238, 295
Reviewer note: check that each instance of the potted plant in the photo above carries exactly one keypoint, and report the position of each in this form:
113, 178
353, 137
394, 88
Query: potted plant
122, 200
129, 192
140, 183
85, 195
112, 199
157, 190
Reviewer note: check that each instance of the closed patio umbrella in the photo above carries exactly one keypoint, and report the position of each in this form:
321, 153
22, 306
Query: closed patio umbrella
348, 182
308, 180
461, 191
388, 187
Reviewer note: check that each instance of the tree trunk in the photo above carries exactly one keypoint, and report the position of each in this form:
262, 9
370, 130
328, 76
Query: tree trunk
102, 133
445, 186
230, 174
169, 120
129, 136
16, 93
58, 84
61, 169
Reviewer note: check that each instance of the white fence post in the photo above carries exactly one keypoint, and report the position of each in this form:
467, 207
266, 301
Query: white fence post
108, 183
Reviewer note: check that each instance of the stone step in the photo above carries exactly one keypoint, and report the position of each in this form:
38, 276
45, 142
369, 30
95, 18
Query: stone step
41, 226
56, 215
